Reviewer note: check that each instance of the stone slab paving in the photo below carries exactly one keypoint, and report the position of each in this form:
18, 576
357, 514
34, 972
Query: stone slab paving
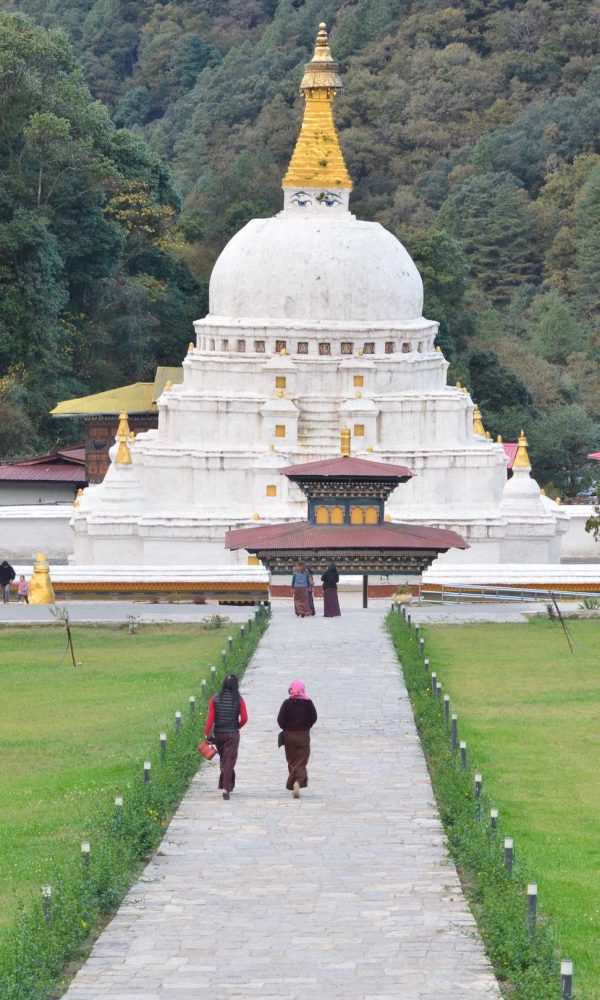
345, 894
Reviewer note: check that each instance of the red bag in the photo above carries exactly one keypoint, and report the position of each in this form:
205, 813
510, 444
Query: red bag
208, 750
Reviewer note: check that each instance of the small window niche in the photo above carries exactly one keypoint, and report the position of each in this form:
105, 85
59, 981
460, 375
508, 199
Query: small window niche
369, 347
359, 381
347, 347
212, 344
280, 345
259, 346
279, 430
405, 348
390, 347
324, 350
359, 430
271, 490
280, 381
302, 347
224, 345
241, 346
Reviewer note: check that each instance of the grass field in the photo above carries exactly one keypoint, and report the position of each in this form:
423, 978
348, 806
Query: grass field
530, 712
71, 735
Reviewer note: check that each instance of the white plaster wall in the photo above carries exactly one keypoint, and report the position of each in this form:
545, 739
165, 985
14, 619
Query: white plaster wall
36, 493
577, 543
27, 530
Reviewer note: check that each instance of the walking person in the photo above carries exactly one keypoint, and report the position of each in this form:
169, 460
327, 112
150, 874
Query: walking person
23, 590
331, 604
296, 718
227, 713
7, 575
300, 589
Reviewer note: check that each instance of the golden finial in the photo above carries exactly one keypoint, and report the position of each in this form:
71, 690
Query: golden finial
191, 346
370, 449
438, 348
358, 394
488, 436
361, 352
345, 438
256, 517
78, 498
465, 390
558, 501
123, 456
282, 352
543, 491
317, 160
281, 393
478, 427
499, 439
388, 518
458, 385
522, 457
132, 436
168, 386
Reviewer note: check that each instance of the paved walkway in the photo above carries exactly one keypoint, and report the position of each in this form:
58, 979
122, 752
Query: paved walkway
346, 894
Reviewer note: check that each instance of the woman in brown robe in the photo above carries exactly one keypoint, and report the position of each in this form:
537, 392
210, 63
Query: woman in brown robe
297, 716
300, 581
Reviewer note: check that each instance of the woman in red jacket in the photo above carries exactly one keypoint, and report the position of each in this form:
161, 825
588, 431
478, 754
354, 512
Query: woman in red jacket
297, 716
227, 713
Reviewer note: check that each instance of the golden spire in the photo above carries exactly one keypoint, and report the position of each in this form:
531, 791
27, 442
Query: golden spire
317, 160
123, 456
191, 346
499, 439
478, 427
345, 442
522, 457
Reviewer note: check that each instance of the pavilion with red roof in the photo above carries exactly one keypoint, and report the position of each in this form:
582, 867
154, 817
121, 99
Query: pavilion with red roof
346, 523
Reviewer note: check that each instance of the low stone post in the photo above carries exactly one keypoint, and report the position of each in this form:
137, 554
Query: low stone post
454, 732
447, 708
86, 852
177, 721
509, 854
478, 787
463, 753
47, 903
163, 746
147, 770
192, 703
566, 979
494, 820
532, 907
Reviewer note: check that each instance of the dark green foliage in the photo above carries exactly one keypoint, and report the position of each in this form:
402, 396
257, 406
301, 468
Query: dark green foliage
527, 968
34, 954
493, 386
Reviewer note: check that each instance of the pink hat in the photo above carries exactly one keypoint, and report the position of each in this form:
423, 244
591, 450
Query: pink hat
297, 690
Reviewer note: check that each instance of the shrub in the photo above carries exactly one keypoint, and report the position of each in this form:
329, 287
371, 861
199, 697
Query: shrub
527, 966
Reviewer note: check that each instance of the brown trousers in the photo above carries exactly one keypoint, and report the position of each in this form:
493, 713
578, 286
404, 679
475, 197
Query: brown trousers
228, 745
297, 752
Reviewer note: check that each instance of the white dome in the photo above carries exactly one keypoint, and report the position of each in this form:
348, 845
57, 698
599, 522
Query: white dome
313, 268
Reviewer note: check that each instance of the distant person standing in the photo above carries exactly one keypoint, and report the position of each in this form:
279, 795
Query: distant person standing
296, 718
300, 588
23, 590
227, 713
331, 604
311, 592
7, 575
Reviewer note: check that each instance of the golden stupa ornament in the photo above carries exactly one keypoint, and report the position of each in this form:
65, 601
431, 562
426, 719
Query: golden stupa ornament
345, 442
123, 456
478, 427
499, 439
77, 499
317, 160
191, 346
41, 590
522, 457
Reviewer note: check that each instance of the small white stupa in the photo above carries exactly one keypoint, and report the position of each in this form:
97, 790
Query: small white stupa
315, 324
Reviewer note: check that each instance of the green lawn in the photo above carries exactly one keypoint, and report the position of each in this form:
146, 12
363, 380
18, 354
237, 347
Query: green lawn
530, 712
69, 736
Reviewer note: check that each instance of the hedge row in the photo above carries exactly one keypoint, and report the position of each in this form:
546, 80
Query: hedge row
52, 932
525, 963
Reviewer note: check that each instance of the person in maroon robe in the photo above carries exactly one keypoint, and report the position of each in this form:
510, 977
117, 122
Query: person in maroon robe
296, 718
331, 604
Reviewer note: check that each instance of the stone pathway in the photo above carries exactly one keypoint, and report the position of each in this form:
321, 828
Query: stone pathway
346, 894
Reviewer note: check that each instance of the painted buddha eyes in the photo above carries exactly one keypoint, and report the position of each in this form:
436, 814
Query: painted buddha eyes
301, 199
327, 199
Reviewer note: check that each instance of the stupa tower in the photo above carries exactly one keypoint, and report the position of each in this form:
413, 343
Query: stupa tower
315, 323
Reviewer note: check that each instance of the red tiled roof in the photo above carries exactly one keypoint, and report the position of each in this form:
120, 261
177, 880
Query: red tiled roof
343, 467
510, 449
65, 466
302, 535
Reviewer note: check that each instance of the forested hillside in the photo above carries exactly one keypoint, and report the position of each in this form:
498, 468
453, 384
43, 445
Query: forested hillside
471, 130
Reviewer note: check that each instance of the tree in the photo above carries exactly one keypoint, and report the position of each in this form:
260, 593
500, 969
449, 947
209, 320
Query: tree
554, 328
494, 386
559, 446
587, 245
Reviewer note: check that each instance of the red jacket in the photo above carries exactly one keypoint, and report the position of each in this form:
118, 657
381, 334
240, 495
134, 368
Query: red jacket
211, 715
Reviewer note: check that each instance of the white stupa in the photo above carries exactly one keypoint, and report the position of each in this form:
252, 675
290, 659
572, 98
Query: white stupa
315, 324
